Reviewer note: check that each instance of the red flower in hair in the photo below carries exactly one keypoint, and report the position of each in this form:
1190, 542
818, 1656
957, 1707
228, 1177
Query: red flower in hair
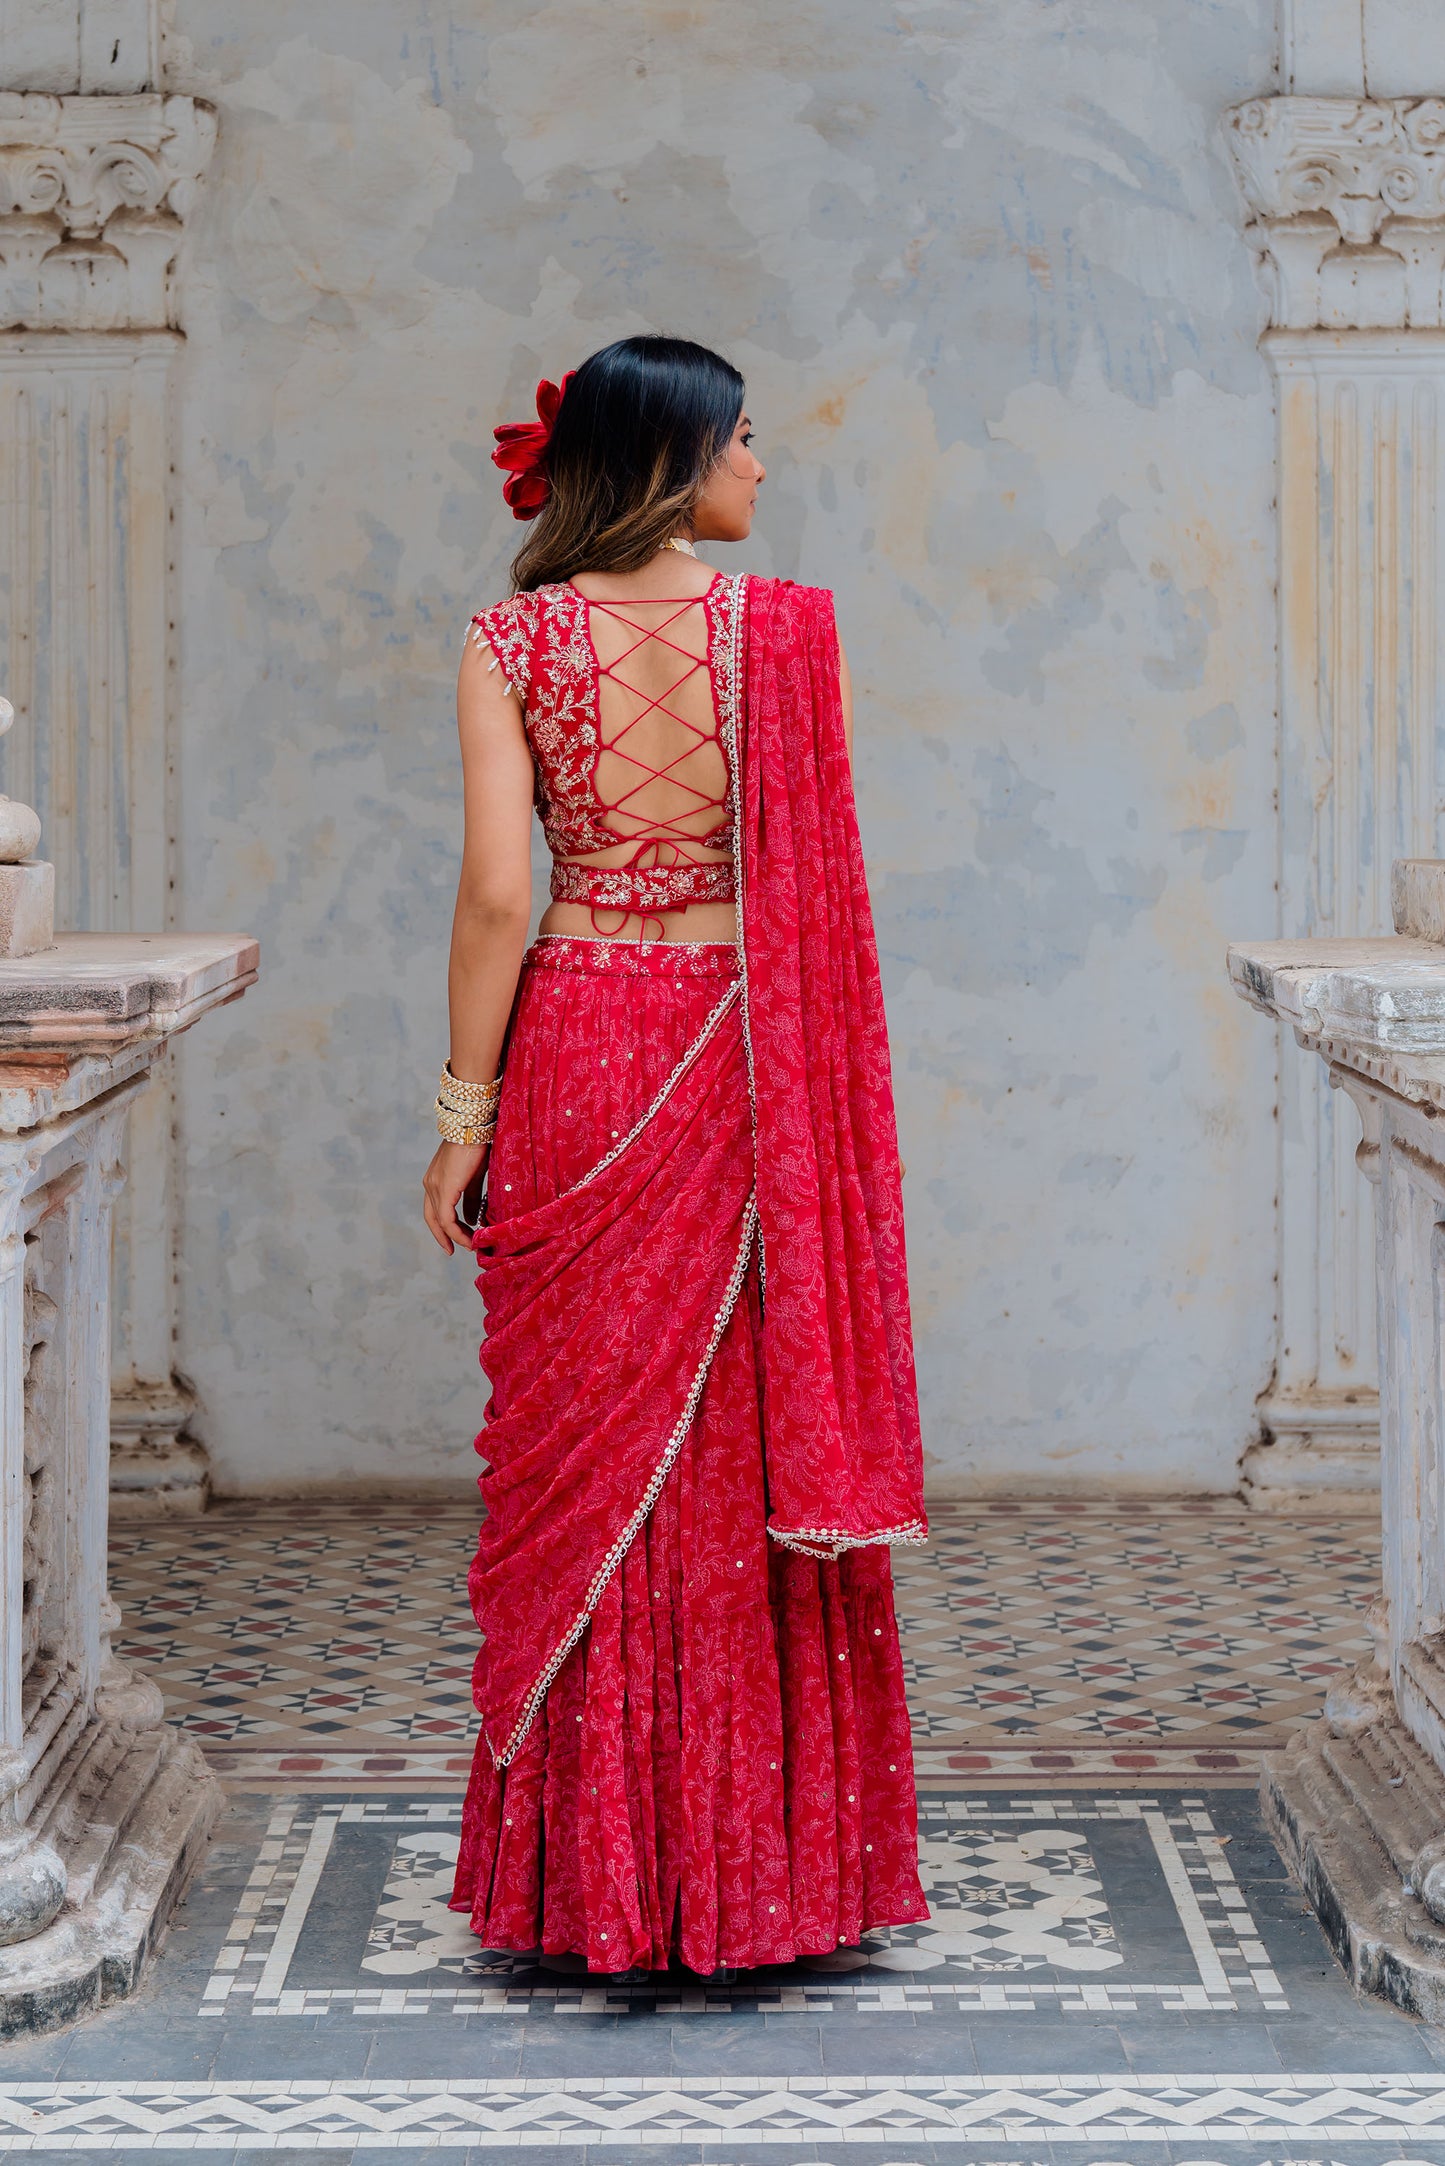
522, 448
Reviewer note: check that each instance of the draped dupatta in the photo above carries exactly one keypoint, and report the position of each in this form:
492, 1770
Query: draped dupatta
774, 1137
840, 1403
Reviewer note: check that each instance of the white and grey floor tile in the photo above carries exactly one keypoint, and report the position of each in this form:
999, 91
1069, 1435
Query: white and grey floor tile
1057, 1916
1117, 1967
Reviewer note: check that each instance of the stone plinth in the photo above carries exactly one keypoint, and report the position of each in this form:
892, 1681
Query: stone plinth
104, 1810
1358, 1803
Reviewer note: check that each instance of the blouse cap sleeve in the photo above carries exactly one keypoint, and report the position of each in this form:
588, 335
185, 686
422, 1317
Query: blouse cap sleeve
507, 629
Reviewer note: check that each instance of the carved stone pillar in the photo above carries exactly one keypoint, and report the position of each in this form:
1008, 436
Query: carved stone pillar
94, 192
1358, 1803
103, 1809
1347, 197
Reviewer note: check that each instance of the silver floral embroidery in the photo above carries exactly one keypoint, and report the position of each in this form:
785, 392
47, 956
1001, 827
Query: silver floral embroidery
562, 723
509, 629
670, 958
661, 887
564, 716
721, 608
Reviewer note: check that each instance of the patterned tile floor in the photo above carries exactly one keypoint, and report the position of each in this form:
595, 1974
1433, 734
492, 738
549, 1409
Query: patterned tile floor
1105, 1977
1116, 1968
1102, 1639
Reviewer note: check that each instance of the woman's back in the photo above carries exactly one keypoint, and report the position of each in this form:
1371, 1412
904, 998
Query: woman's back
626, 690
661, 770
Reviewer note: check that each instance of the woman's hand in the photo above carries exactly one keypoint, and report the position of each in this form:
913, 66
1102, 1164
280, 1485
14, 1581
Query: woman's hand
454, 1175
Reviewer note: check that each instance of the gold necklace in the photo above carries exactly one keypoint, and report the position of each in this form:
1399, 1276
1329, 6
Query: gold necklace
675, 541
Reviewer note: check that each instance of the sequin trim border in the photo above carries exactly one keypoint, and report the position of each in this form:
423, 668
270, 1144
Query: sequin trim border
660, 962
650, 1496
667, 1089
611, 940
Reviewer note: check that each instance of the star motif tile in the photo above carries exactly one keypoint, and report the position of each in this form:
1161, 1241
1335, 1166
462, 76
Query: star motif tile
1022, 1624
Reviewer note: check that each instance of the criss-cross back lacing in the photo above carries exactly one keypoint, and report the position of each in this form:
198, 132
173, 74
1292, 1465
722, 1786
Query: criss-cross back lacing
664, 840
628, 746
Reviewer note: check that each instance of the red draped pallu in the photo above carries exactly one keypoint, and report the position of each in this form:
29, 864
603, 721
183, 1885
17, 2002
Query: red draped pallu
703, 1426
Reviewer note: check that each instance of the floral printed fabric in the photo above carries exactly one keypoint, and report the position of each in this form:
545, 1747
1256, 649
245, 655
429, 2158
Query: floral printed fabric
840, 1404
718, 1765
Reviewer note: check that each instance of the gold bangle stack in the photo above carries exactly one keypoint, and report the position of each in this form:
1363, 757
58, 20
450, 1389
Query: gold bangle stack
466, 1112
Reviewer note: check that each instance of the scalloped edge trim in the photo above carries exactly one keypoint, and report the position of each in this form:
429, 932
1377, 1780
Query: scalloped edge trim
829, 1543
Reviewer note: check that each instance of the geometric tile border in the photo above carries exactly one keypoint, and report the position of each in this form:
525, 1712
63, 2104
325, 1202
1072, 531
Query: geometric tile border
298, 1771
1169, 1766
1000, 1920
641, 2112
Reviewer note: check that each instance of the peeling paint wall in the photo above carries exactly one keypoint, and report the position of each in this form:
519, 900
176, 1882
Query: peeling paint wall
981, 263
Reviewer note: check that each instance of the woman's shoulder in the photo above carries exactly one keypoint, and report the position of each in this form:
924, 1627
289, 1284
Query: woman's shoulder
511, 628
523, 609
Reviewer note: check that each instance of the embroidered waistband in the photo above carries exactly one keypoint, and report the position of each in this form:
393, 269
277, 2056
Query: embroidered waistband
677, 960
643, 889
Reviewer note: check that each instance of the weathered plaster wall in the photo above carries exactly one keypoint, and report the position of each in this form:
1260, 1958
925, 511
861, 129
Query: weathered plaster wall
981, 264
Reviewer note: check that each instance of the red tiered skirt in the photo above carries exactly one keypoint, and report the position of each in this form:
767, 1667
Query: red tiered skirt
721, 1769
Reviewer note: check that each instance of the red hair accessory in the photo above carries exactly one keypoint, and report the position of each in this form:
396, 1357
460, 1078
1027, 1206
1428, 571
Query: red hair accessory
521, 448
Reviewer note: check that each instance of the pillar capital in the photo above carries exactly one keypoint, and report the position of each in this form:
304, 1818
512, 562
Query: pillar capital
1347, 203
94, 194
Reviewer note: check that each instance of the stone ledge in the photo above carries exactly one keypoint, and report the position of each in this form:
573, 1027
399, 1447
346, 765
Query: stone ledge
1387, 993
90, 1013
97, 989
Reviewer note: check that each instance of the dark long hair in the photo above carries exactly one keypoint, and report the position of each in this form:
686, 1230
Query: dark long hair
642, 425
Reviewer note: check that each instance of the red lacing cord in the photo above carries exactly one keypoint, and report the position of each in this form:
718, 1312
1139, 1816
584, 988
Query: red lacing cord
679, 836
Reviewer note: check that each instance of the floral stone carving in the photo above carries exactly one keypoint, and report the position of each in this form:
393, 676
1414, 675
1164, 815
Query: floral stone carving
94, 194
1347, 197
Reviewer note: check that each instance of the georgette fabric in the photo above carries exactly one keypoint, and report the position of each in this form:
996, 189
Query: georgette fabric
703, 1431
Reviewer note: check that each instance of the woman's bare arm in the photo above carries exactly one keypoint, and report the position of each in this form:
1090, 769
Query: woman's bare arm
494, 907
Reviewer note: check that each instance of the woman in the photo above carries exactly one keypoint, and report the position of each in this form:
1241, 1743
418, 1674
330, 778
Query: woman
703, 1427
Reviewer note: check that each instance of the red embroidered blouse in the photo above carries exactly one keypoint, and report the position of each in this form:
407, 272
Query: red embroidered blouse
666, 787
